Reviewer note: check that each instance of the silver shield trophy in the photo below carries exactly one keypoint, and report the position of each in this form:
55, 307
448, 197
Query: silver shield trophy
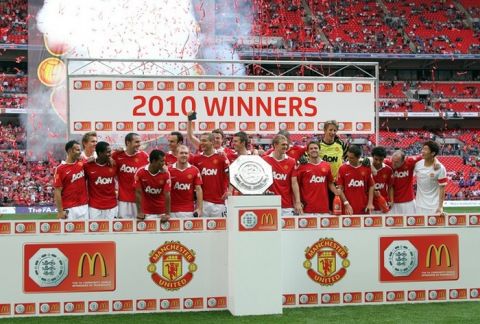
251, 175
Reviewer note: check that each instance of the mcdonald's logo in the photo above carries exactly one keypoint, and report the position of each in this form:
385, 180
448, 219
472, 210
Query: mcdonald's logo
438, 255
92, 260
5, 228
5, 309
267, 219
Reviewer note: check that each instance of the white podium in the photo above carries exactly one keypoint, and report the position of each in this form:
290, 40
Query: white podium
254, 239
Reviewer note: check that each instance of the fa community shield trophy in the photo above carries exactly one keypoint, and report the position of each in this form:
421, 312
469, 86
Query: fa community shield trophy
251, 175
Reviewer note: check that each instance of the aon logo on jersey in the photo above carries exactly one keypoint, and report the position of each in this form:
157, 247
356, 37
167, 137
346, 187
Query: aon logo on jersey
356, 183
128, 169
279, 176
182, 186
77, 176
401, 174
327, 158
317, 179
103, 181
153, 191
209, 172
379, 186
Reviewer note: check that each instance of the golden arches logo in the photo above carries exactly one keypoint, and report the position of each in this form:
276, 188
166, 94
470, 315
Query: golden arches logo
267, 219
92, 260
438, 255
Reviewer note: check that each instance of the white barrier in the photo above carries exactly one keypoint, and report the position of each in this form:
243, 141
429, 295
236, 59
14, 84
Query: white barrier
123, 266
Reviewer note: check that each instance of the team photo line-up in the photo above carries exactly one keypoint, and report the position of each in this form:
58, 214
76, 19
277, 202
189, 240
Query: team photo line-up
324, 177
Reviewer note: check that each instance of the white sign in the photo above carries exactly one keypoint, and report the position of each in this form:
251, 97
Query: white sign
252, 104
72, 267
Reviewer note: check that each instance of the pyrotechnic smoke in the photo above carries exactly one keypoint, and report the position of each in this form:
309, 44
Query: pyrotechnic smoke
140, 29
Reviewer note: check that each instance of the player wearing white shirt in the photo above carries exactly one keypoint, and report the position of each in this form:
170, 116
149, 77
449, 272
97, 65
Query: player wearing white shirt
430, 182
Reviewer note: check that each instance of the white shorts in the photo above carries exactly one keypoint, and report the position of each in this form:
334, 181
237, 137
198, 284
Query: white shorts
426, 211
288, 212
181, 215
406, 208
77, 212
95, 213
213, 210
127, 210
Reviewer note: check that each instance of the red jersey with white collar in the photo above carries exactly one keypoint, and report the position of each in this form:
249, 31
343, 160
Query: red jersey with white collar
214, 172
282, 170
71, 178
183, 184
127, 166
101, 185
402, 182
356, 182
153, 187
313, 181
383, 181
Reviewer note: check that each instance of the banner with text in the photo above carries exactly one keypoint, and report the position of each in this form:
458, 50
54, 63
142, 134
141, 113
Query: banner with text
260, 105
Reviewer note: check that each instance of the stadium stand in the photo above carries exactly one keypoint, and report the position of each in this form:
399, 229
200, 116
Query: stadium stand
371, 26
13, 22
25, 183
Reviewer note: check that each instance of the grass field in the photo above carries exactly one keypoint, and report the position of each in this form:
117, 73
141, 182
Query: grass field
459, 312
53, 216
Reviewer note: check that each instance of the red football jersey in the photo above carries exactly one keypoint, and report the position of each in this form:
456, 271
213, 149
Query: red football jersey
402, 179
214, 172
170, 158
282, 178
229, 153
183, 184
313, 180
356, 182
294, 151
383, 181
127, 166
153, 187
71, 178
101, 185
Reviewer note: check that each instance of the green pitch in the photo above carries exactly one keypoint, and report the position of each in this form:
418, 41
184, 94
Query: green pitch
459, 312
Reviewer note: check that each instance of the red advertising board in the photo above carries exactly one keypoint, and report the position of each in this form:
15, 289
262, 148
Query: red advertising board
419, 258
69, 267
257, 220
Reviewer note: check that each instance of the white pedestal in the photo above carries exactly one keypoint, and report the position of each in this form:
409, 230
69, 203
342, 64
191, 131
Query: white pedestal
254, 255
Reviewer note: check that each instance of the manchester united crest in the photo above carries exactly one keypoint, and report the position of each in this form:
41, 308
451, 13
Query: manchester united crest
177, 265
326, 261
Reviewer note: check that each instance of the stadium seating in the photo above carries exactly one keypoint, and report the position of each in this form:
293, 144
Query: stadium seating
13, 90
13, 22
25, 183
370, 26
